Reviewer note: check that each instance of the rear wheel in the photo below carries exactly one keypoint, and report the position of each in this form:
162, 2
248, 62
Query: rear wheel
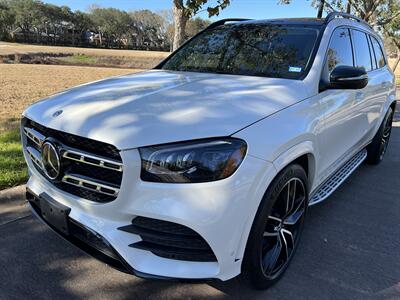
277, 228
377, 148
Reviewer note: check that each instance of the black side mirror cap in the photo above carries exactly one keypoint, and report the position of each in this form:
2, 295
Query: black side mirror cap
348, 77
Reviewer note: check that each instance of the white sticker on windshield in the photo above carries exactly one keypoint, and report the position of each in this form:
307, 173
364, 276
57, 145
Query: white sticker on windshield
295, 69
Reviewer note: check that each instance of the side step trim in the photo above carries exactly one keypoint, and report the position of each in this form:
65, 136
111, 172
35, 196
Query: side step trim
338, 178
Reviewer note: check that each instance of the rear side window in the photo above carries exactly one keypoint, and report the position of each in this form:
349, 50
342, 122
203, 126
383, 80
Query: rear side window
340, 52
363, 56
380, 58
374, 66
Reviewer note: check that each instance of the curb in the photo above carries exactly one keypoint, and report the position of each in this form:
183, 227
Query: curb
14, 194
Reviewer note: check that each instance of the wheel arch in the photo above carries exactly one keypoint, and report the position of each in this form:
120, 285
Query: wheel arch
393, 105
302, 154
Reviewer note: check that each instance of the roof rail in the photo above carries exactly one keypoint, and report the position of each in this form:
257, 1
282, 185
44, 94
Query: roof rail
336, 14
223, 21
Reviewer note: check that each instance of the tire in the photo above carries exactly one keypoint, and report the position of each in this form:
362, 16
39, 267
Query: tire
263, 266
377, 149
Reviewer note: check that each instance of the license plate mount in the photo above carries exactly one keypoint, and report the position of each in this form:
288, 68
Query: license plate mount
56, 214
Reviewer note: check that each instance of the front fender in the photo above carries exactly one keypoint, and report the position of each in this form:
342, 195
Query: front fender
296, 151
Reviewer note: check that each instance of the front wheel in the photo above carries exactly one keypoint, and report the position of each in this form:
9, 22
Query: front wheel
277, 227
377, 148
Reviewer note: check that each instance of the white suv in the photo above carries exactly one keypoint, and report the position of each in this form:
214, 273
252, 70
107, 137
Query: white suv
204, 166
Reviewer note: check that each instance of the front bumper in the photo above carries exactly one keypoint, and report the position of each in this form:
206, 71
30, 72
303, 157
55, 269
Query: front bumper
221, 212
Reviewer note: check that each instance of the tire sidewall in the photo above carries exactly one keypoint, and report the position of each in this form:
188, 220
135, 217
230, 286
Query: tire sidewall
252, 267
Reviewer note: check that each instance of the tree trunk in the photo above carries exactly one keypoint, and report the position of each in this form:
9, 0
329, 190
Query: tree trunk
320, 8
396, 64
180, 20
348, 8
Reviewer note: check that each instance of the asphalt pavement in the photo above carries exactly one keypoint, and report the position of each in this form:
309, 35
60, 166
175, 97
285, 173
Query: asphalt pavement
350, 250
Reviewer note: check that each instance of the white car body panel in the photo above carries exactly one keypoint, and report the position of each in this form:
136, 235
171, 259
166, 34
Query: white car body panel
279, 119
157, 107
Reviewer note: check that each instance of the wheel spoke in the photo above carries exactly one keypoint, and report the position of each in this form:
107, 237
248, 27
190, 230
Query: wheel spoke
272, 223
294, 218
275, 219
271, 257
289, 237
284, 245
290, 197
296, 214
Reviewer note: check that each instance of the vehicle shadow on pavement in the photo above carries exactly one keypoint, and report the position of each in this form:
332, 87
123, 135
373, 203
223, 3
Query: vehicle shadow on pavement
350, 249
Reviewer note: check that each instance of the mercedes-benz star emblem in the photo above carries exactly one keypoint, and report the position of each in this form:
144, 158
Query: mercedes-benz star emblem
50, 160
57, 113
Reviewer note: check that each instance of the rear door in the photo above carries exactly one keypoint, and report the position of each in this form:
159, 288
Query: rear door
380, 81
369, 100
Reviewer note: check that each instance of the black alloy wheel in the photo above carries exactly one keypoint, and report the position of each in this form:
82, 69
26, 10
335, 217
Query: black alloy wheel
387, 130
277, 227
283, 228
378, 147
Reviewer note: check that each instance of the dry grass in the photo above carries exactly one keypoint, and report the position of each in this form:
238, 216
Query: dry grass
12, 48
21, 85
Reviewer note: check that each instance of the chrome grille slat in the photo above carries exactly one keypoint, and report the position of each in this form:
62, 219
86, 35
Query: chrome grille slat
77, 180
34, 135
83, 158
35, 156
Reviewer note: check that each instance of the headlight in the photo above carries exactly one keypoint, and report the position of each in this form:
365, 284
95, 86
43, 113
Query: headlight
190, 162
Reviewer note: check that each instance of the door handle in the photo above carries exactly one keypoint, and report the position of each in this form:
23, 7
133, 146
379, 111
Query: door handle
385, 85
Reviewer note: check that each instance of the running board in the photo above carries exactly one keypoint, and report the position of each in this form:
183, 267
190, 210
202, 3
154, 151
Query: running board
338, 178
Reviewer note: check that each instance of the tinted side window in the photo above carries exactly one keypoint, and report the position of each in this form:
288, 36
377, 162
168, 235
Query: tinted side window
374, 66
380, 58
360, 43
340, 51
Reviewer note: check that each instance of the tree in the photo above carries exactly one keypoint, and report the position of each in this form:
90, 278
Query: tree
7, 19
184, 11
149, 28
27, 15
112, 25
81, 23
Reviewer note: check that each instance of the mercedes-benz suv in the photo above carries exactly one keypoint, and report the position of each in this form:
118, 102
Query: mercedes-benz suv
204, 166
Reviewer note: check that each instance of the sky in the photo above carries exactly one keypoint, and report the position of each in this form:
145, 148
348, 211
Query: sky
252, 9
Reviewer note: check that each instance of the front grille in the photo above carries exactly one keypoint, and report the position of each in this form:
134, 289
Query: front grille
91, 170
169, 240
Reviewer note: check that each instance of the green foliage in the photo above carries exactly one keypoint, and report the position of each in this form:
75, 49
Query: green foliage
7, 19
195, 25
34, 21
192, 7
12, 163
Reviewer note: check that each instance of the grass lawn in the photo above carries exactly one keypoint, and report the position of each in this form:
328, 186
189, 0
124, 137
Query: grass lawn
12, 164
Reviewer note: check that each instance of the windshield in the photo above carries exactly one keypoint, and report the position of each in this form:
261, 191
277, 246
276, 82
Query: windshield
248, 49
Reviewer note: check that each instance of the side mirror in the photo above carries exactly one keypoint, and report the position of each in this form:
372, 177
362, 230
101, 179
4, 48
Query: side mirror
347, 77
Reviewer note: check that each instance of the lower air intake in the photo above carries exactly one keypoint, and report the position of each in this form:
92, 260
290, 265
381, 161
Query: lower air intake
169, 240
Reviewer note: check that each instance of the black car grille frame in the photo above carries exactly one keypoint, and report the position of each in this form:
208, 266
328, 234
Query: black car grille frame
92, 170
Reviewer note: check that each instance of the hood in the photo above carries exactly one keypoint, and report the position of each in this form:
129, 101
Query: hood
157, 107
